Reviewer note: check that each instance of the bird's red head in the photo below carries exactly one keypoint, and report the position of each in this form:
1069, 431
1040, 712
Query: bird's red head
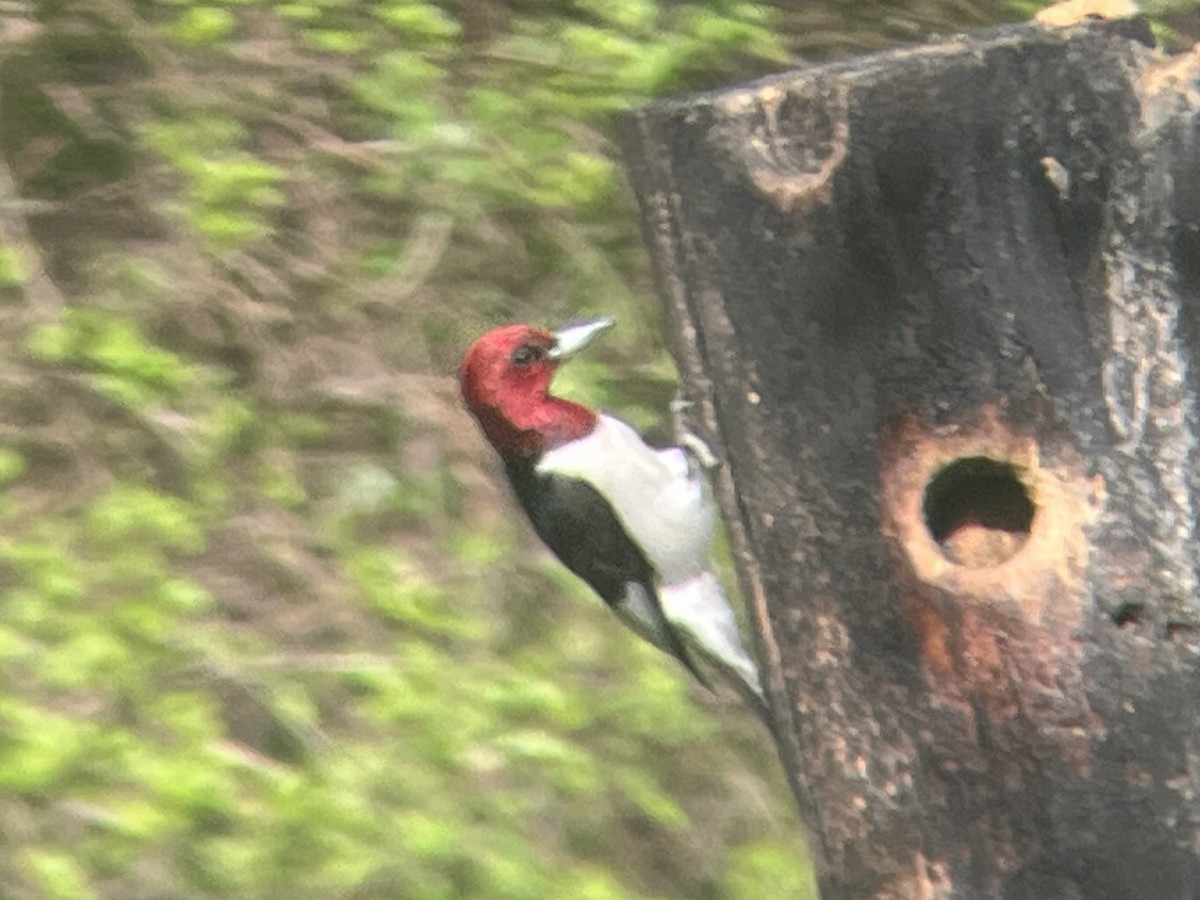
505, 381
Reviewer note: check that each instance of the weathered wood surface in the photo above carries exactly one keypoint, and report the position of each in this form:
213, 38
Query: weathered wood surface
939, 310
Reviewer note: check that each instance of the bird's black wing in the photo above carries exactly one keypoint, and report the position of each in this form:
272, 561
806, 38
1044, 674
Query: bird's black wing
580, 526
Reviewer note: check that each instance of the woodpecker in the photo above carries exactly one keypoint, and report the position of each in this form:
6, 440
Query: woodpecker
636, 523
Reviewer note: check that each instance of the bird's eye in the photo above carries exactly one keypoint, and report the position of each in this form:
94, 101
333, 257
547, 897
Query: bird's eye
526, 354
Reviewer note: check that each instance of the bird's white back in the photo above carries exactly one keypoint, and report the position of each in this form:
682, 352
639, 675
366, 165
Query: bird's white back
661, 502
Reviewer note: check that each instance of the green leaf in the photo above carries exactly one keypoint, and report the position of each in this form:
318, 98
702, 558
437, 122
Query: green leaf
772, 869
281, 485
183, 595
113, 348
629, 15
12, 465
427, 837
131, 512
335, 40
419, 20
397, 587
203, 25
50, 342
59, 874
87, 657
641, 789
38, 748
13, 270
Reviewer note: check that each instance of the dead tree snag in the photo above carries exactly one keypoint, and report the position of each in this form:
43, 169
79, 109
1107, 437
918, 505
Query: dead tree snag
940, 311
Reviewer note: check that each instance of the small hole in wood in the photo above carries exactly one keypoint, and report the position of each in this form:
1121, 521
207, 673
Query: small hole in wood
979, 511
1182, 631
1128, 613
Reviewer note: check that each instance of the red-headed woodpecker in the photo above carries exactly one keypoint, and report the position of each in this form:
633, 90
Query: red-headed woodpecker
636, 523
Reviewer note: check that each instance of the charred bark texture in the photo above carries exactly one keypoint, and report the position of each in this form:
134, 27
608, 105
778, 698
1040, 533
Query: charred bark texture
939, 310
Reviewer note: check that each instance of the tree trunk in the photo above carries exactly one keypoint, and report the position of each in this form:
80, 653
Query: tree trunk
938, 310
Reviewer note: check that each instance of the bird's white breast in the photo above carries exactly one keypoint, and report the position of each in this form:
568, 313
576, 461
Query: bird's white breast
663, 505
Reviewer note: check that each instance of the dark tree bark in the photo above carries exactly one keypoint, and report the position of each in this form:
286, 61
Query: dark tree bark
940, 311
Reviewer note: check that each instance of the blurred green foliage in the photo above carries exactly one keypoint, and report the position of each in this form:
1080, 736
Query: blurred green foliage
12, 269
267, 627
229, 192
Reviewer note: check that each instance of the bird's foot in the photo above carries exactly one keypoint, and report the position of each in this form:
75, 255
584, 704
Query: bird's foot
691, 442
699, 451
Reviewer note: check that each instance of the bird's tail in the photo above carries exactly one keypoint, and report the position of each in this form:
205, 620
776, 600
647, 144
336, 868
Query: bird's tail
641, 610
698, 609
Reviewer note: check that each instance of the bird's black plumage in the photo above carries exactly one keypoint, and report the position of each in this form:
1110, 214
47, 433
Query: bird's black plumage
580, 526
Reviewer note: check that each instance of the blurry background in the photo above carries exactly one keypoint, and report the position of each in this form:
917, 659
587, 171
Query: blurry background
270, 623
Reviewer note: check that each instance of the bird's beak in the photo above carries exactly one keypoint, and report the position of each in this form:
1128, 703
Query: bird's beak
574, 337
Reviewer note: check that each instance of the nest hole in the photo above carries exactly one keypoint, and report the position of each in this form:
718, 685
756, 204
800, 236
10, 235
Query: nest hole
979, 511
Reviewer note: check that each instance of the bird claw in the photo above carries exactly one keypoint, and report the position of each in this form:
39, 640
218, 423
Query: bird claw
699, 450
691, 442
